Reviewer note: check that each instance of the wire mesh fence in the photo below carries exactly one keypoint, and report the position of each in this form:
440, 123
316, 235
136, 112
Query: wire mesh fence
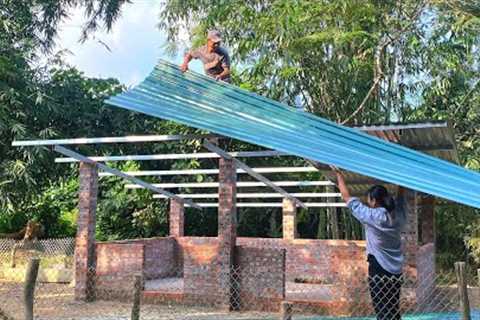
254, 291
383, 297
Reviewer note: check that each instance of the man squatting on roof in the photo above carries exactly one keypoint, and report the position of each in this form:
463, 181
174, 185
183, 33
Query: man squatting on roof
215, 59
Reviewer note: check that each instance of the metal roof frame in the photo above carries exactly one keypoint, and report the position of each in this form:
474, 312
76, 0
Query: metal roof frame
353, 180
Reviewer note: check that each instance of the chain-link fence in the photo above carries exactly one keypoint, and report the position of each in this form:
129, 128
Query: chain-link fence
207, 291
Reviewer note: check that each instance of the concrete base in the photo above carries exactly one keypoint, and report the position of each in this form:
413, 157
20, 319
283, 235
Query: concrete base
165, 285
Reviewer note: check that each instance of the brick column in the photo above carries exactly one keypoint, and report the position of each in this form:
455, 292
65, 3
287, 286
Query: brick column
289, 222
177, 219
410, 234
332, 214
419, 259
227, 229
85, 255
425, 256
427, 219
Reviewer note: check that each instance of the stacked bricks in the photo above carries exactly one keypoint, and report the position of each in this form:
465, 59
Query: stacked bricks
425, 262
200, 273
160, 259
318, 261
177, 218
157, 256
289, 219
425, 267
260, 278
227, 228
410, 234
117, 264
419, 247
427, 219
339, 267
85, 257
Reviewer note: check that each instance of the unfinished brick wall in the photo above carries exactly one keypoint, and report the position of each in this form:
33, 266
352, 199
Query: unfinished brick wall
117, 263
324, 261
160, 258
260, 275
425, 272
427, 220
159, 255
200, 273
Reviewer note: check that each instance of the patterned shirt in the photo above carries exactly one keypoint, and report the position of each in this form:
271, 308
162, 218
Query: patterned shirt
213, 62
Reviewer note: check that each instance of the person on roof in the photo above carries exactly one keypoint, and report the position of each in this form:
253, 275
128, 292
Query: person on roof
383, 219
215, 59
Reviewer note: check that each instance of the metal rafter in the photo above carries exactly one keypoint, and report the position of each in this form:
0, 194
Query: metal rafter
275, 205
126, 139
258, 176
199, 155
189, 172
79, 157
254, 195
239, 184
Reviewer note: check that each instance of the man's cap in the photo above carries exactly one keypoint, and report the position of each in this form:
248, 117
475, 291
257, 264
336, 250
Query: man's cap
214, 35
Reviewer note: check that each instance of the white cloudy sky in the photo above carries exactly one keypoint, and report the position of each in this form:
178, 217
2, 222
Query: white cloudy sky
135, 42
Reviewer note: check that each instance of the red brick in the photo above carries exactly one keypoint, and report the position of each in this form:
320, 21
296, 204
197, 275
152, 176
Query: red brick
85, 257
177, 218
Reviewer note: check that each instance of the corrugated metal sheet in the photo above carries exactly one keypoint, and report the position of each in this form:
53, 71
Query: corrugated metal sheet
435, 138
201, 102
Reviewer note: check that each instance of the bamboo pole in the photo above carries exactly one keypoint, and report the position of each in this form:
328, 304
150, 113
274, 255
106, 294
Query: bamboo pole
286, 310
138, 286
462, 290
29, 288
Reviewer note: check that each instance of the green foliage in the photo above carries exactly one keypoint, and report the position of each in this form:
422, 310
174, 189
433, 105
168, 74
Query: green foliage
56, 209
127, 214
356, 61
326, 54
54, 100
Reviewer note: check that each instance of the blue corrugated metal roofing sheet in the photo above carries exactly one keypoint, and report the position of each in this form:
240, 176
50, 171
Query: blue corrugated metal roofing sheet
198, 101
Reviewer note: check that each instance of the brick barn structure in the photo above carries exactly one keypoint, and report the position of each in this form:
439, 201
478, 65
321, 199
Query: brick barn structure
230, 271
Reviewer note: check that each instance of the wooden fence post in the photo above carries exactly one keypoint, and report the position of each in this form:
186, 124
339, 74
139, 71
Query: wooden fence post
138, 286
29, 287
4, 315
478, 278
462, 290
286, 310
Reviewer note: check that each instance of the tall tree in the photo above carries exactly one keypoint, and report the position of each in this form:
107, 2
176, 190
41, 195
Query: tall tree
346, 60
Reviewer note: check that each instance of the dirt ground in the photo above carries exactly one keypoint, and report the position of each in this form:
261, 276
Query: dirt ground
55, 301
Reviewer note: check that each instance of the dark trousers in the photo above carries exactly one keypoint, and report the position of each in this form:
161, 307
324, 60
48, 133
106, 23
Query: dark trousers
385, 290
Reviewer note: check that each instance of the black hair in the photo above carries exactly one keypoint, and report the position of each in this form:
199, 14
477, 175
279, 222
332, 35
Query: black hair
383, 198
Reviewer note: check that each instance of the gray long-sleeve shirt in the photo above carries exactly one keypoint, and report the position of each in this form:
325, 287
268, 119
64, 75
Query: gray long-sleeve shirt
383, 232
